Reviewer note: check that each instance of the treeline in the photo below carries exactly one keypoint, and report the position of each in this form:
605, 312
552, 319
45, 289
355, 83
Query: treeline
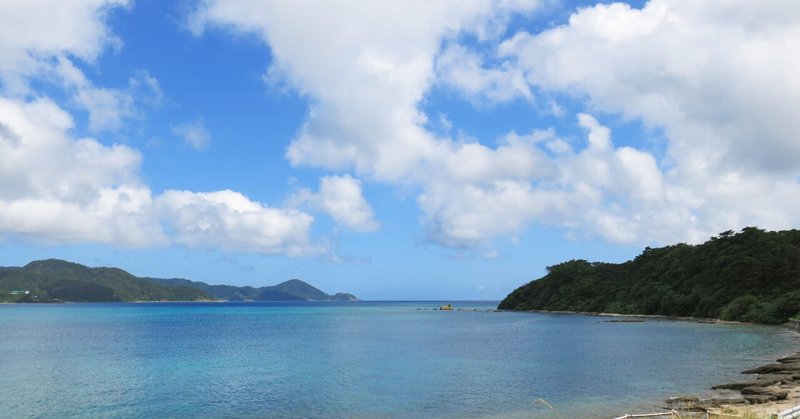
751, 276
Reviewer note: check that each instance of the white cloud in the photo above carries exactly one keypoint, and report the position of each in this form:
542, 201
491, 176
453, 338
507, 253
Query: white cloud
230, 221
194, 134
365, 85
717, 78
341, 197
599, 136
41, 40
34, 31
108, 108
366, 81
470, 214
465, 71
57, 188
621, 194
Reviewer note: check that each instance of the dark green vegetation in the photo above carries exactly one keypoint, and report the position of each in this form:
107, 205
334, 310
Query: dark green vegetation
291, 290
751, 276
56, 280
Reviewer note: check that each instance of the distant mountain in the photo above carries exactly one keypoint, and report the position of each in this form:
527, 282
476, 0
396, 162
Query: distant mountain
291, 290
751, 276
56, 280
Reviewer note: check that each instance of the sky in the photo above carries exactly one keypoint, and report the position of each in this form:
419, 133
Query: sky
415, 149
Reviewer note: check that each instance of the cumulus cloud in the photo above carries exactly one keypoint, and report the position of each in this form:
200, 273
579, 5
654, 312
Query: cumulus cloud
230, 221
464, 71
717, 79
32, 32
42, 40
194, 134
366, 81
56, 188
365, 85
340, 197
621, 194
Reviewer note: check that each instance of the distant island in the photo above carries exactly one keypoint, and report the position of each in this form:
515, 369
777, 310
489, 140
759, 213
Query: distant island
749, 276
56, 280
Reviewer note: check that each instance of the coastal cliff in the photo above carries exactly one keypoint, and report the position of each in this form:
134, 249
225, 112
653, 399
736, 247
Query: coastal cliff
750, 276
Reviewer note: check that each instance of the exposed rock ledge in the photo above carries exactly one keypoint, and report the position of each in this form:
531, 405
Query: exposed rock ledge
772, 382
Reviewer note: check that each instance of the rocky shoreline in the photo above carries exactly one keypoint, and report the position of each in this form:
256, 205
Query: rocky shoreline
771, 383
775, 385
773, 388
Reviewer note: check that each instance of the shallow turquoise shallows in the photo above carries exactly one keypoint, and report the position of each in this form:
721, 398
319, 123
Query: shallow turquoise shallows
366, 359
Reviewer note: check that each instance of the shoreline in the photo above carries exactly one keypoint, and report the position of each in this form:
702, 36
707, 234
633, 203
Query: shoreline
763, 391
775, 389
705, 320
767, 389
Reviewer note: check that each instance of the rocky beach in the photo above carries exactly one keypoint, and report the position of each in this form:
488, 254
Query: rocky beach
769, 390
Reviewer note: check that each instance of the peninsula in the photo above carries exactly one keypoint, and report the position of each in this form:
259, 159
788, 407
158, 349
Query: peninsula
749, 276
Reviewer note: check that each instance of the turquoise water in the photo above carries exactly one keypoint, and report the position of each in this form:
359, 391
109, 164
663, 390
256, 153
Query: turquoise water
386, 359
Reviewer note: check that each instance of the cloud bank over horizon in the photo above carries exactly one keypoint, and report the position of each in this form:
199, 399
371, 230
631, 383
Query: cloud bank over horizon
713, 82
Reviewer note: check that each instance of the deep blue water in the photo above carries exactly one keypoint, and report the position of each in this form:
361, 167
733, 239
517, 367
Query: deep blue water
366, 359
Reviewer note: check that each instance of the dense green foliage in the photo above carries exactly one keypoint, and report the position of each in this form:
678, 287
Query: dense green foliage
57, 280
291, 290
751, 276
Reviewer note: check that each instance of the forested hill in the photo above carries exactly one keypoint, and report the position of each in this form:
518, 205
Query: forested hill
291, 290
751, 276
56, 280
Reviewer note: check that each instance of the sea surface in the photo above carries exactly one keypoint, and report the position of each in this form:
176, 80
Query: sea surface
357, 360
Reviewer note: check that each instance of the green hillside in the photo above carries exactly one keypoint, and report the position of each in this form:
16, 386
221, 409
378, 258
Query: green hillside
291, 290
58, 280
751, 276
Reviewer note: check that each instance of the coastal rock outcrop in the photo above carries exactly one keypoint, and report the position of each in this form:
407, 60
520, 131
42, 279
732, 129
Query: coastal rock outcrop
771, 382
780, 368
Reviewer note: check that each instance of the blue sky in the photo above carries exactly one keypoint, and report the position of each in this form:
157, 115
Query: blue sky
395, 150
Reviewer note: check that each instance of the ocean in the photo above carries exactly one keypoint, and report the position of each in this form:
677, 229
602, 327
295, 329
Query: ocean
358, 360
